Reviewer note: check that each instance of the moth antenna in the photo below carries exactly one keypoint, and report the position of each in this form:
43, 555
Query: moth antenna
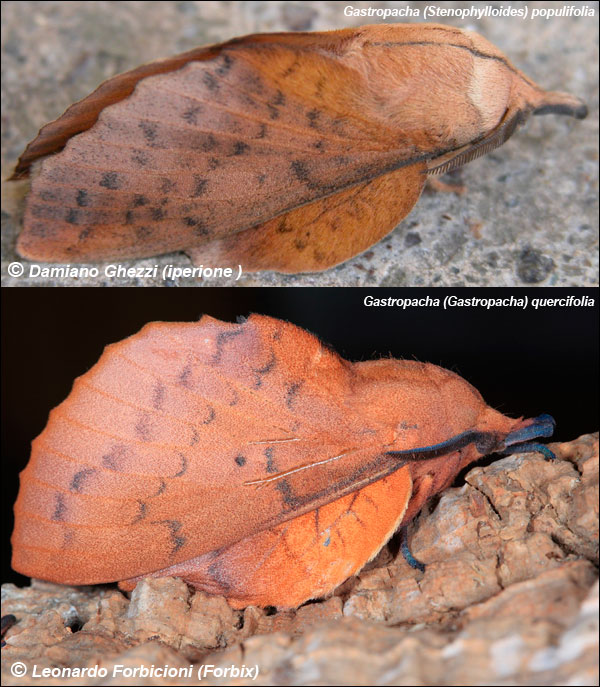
485, 442
494, 140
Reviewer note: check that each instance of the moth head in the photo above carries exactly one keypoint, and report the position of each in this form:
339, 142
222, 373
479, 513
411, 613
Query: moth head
442, 403
497, 86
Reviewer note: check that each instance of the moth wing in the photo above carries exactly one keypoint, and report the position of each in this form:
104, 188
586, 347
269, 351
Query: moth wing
186, 438
215, 147
306, 557
323, 233
81, 115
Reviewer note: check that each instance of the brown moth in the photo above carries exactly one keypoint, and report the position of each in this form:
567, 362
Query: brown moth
288, 151
248, 459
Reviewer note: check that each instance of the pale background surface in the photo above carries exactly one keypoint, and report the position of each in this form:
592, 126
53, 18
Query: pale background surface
530, 215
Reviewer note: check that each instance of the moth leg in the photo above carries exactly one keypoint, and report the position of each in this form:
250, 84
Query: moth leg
436, 184
6, 623
406, 552
531, 447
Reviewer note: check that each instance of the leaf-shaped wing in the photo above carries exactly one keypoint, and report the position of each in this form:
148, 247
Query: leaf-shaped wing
323, 233
303, 558
241, 134
186, 438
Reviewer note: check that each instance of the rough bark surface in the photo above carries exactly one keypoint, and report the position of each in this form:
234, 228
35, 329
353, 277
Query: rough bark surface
509, 596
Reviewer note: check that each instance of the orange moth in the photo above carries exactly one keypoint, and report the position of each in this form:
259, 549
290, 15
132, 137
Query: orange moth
248, 459
287, 151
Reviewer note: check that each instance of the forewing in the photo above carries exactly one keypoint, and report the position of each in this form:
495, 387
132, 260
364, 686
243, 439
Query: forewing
221, 145
184, 439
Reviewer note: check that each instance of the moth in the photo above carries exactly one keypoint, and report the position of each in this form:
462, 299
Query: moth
287, 151
248, 459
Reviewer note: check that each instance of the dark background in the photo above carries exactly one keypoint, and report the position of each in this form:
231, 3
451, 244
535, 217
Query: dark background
523, 362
